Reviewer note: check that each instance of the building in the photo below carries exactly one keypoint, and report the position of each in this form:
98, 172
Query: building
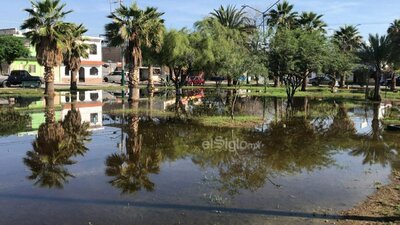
89, 73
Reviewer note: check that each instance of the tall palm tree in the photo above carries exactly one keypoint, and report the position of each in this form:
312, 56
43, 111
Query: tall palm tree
74, 51
378, 54
231, 17
349, 40
283, 16
311, 21
394, 35
134, 27
44, 27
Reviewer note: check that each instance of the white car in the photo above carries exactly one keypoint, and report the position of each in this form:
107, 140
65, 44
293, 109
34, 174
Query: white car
3, 81
115, 77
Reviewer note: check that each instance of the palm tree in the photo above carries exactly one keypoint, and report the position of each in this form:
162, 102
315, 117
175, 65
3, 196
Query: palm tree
378, 54
134, 27
283, 16
74, 51
349, 40
394, 35
312, 21
231, 17
44, 27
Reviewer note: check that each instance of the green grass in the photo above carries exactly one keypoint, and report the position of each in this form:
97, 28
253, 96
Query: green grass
226, 121
16, 92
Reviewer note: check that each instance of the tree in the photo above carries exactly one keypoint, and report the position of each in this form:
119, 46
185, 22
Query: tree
394, 35
349, 40
294, 54
132, 28
378, 54
74, 51
178, 55
338, 62
11, 48
283, 16
311, 21
231, 18
44, 27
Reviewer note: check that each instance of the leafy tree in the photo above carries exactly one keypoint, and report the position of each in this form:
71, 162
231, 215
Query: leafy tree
11, 48
338, 62
178, 55
133, 28
45, 28
294, 54
75, 50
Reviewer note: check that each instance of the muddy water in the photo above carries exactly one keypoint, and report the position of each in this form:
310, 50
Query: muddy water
91, 158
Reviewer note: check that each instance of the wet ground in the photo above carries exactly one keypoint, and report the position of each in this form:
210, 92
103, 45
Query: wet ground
92, 158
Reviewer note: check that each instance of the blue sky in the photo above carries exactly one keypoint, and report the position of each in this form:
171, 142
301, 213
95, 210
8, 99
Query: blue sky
373, 15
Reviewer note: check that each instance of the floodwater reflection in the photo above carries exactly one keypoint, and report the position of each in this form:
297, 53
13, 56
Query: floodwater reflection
56, 144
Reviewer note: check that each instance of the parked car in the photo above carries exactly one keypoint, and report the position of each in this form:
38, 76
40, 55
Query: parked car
22, 77
195, 81
115, 77
3, 80
323, 80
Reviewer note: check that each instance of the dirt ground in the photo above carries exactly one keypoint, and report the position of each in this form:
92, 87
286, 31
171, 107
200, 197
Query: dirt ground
384, 206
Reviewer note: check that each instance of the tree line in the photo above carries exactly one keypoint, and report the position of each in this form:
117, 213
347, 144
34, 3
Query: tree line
226, 43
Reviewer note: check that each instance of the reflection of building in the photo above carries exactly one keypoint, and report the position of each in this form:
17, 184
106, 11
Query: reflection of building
89, 73
89, 104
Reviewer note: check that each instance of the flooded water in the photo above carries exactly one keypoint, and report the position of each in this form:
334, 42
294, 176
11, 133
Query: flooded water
92, 158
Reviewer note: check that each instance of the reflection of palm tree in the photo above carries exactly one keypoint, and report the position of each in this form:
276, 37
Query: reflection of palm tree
373, 147
54, 146
76, 132
342, 125
130, 170
49, 153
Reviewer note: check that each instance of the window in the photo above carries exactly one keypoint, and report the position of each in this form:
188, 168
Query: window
93, 49
94, 71
94, 96
94, 118
66, 72
32, 69
82, 96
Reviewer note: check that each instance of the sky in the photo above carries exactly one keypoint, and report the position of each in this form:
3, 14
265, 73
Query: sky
371, 16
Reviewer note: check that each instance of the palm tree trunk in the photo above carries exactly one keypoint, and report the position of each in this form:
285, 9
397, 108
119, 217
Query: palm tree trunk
134, 84
377, 91
49, 80
150, 84
50, 114
74, 80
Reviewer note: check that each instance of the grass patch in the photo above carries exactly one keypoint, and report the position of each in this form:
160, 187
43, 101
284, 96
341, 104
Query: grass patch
226, 121
17, 92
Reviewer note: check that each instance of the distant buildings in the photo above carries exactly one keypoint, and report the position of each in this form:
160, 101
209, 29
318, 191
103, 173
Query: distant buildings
91, 71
